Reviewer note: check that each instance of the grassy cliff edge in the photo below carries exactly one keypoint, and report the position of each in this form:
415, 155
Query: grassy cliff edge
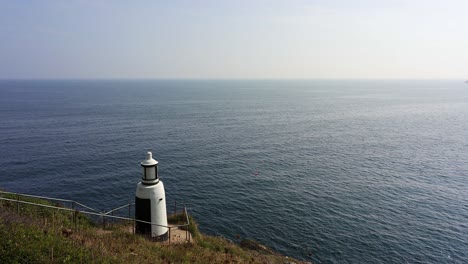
43, 235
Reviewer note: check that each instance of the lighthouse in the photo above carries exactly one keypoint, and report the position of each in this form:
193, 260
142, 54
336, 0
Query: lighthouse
150, 202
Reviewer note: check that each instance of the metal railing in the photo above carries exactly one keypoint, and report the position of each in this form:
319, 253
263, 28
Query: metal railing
102, 215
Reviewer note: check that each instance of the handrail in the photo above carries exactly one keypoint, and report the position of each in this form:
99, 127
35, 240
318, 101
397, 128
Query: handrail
50, 198
41, 197
86, 212
42, 205
118, 208
87, 207
186, 215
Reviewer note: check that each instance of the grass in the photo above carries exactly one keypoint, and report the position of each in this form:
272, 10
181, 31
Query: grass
44, 235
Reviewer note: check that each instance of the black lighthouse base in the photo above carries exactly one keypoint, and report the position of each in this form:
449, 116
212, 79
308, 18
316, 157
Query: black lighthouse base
143, 213
163, 237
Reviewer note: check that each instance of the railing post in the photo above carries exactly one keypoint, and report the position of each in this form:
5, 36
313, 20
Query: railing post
187, 233
17, 203
103, 220
74, 214
169, 235
129, 209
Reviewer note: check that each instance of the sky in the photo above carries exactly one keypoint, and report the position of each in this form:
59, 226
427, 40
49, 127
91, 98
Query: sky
241, 39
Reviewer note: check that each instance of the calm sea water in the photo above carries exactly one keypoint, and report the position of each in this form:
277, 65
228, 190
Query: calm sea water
328, 171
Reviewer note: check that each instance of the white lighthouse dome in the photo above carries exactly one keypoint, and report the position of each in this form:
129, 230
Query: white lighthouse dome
149, 161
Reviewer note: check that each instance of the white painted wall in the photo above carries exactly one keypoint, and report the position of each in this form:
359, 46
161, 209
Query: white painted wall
158, 207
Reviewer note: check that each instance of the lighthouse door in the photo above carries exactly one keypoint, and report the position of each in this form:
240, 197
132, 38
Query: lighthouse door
143, 213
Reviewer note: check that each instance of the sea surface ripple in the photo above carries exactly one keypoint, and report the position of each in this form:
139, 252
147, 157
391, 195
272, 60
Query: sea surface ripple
327, 171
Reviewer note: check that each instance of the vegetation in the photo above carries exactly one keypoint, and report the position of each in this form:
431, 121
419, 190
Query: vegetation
43, 235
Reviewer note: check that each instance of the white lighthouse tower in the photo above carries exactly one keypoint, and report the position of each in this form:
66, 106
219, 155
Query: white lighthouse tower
150, 202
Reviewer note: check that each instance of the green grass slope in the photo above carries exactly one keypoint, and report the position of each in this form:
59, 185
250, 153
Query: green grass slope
42, 235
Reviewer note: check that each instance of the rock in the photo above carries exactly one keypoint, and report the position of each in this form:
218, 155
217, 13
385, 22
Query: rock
66, 232
254, 245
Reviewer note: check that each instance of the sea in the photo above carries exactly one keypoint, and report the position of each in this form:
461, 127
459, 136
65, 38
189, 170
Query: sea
327, 171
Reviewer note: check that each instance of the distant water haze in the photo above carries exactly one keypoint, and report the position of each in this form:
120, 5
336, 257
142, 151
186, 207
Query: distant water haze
355, 171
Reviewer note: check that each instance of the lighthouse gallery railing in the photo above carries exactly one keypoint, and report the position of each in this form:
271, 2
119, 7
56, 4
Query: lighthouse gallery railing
103, 215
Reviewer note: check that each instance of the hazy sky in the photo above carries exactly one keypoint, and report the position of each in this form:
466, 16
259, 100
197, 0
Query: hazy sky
234, 39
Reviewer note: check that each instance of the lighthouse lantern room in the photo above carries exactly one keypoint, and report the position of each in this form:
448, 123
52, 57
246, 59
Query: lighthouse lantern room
150, 169
150, 202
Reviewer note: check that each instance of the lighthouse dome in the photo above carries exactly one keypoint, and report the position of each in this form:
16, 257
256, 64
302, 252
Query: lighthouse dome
149, 161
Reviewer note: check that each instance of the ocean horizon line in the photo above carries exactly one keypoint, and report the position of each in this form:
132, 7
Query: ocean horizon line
232, 79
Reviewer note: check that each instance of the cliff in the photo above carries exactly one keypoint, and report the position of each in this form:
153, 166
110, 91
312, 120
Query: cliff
42, 235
